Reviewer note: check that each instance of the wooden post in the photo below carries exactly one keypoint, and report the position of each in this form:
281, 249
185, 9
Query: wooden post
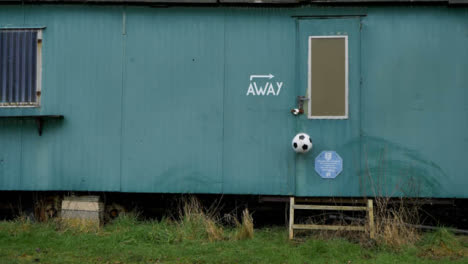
370, 213
291, 218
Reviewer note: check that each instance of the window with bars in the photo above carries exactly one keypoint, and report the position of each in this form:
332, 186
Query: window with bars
20, 67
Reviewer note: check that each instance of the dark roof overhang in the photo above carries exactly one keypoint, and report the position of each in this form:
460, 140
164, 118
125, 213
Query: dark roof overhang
245, 2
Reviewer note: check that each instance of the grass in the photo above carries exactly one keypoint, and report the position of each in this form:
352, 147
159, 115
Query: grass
198, 235
128, 240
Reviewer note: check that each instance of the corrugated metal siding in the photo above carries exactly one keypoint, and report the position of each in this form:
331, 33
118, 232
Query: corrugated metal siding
144, 102
18, 58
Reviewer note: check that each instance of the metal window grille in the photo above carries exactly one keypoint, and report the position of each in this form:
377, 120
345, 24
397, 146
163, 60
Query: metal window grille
18, 67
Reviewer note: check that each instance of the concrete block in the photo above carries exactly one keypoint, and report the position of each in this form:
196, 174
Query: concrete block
82, 210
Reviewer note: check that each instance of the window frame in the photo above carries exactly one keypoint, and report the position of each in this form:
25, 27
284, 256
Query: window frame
309, 80
37, 103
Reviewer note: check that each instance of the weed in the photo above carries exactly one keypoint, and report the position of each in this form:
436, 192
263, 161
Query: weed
441, 244
127, 219
244, 230
214, 231
395, 216
77, 225
195, 222
393, 223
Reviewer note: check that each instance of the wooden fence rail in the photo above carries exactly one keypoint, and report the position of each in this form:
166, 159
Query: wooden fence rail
369, 209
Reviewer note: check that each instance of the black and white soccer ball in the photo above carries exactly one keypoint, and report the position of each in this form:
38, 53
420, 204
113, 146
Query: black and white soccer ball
302, 143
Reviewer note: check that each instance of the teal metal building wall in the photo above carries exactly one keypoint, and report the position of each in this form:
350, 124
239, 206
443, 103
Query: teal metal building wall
155, 100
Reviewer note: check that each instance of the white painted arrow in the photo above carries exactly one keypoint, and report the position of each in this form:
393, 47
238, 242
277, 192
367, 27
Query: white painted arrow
269, 76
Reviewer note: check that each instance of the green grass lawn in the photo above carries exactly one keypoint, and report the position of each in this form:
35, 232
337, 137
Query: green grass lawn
131, 241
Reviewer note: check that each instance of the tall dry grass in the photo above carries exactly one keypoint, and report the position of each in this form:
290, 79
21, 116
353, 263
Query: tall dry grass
244, 229
196, 221
396, 213
394, 223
